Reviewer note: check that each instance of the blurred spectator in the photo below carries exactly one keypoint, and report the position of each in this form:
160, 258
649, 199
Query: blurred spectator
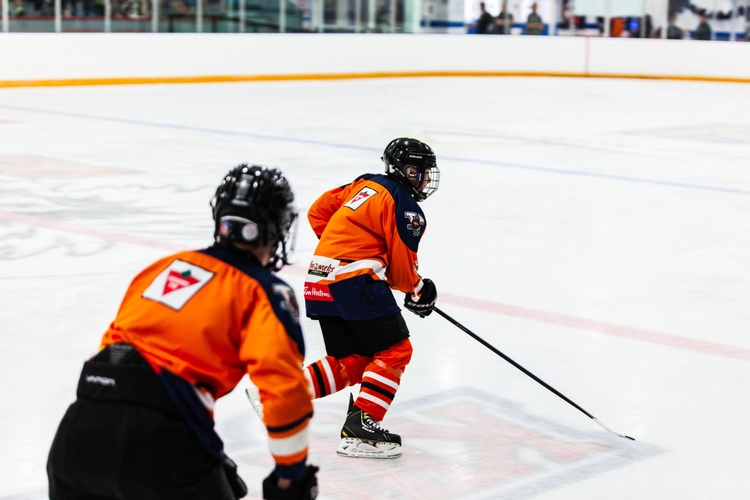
504, 20
569, 20
485, 22
534, 23
41, 8
703, 31
182, 6
19, 8
96, 8
68, 7
643, 29
674, 32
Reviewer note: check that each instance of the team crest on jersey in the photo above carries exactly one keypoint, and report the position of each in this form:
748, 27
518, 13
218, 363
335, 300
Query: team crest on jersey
177, 284
288, 300
364, 194
415, 224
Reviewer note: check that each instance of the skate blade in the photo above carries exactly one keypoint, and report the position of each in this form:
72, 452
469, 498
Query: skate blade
356, 448
254, 397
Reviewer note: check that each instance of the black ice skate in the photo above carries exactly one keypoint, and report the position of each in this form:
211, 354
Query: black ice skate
362, 436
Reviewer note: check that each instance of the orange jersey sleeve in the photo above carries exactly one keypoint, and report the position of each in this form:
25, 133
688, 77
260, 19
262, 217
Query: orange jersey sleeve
324, 207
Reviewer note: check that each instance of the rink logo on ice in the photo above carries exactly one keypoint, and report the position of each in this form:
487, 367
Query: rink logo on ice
43, 167
177, 284
471, 444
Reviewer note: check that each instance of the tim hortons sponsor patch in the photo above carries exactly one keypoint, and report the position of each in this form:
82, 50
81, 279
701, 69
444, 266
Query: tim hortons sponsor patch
316, 291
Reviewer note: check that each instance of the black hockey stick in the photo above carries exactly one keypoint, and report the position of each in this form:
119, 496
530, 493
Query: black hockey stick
527, 372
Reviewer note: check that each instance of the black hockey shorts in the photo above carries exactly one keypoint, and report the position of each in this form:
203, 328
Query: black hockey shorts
344, 337
125, 450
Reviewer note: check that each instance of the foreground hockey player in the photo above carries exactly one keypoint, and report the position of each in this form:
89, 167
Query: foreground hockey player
369, 233
189, 328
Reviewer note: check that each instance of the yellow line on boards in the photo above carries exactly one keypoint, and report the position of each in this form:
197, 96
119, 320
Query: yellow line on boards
67, 82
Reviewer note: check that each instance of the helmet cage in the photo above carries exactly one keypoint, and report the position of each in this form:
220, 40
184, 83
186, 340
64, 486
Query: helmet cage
423, 182
412, 163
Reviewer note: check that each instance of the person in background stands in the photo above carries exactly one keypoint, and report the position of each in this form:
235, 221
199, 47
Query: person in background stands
643, 29
485, 23
534, 23
674, 32
703, 31
19, 11
504, 20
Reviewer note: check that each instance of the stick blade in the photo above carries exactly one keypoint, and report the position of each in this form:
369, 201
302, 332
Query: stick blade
610, 430
254, 397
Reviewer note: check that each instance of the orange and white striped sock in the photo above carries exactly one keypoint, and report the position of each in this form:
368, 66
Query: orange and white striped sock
381, 379
377, 391
325, 377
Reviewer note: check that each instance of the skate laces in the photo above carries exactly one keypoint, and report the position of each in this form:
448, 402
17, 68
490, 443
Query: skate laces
371, 422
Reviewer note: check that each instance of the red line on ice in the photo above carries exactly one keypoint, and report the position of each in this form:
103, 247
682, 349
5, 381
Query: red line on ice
599, 327
458, 300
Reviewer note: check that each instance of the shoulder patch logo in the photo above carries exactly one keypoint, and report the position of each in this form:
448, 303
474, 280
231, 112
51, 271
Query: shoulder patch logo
177, 284
362, 196
288, 300
415, 224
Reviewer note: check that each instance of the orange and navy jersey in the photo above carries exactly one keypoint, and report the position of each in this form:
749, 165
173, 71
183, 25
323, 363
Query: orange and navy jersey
369, 233
208, 317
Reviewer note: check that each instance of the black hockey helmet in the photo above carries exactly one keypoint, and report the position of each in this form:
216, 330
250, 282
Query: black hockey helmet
413, 163
254, 205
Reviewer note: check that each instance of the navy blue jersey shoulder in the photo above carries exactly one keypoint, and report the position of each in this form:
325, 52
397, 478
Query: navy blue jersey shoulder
279, 293
410, 219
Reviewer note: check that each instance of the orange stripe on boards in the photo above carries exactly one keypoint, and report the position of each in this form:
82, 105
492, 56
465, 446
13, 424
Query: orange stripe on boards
69, 82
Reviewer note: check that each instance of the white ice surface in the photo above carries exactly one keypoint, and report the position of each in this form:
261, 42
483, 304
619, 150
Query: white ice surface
595, 231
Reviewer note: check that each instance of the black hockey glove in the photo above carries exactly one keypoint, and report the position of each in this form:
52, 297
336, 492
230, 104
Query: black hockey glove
239, 488
426, 303
304, 489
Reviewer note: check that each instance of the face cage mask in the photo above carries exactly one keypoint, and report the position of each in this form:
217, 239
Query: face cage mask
422, 193
285, 246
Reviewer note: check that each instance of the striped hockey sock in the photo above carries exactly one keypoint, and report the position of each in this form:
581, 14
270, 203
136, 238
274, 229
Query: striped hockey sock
325, 377
377, 392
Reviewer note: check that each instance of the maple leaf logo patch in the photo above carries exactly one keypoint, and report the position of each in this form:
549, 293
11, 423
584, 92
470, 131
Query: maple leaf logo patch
176, 281
177, 284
